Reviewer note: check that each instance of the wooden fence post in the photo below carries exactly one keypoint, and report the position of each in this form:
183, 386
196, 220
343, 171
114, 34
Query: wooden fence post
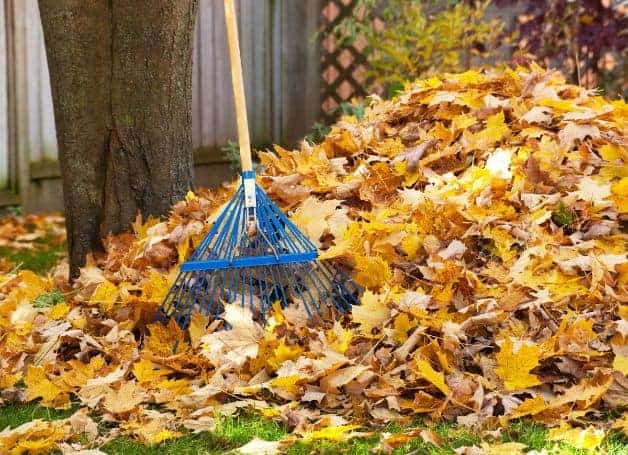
296, 89
17, 108
4, 104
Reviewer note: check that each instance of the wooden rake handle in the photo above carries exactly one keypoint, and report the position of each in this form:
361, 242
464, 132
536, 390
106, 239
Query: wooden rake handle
238, 86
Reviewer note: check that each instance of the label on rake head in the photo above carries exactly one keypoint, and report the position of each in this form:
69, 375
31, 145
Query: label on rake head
249, 192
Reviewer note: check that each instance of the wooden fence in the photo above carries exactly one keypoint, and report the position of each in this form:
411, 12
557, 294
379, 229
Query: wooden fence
282, 78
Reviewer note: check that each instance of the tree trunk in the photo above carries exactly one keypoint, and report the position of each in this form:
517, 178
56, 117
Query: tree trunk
121, 74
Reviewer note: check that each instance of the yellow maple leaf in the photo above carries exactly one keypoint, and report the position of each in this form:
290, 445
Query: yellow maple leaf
9, 380
437, 378
372, 271
59, 311
339, 339
612, 152
105, 295
190, 196
371, 313
503, 242
282, 353
141, 228
409, 176
39, 386
79, 373
339, 142
530, 406
144, 371
333, 433
494, 132
163, 435
197, 328
463, 121
619, 192
620, 363
514, 367
183, 249
504, 448
580, 438
411, 244
402, 325
163, 339
171, 388
288, 383
36, 436
156, 286
390, 147
557, 104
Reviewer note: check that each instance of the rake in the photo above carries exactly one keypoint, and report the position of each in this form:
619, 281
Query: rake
253, 254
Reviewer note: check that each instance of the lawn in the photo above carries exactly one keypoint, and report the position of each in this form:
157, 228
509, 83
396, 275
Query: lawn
233, 432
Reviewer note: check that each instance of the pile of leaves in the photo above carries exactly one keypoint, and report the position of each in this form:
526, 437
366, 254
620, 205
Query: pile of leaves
482, 213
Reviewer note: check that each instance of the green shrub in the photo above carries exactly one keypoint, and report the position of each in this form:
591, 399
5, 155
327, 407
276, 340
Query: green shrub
414, 38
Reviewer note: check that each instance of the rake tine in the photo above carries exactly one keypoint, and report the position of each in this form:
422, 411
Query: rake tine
331, 284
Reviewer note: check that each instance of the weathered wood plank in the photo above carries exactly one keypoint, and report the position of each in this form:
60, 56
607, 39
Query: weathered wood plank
300, 68
11, 108
276, 75
19, 95
50, 148
206, 71
32, 73
245, 15
4, 103
261, 67
224, 109
8, 198
45, 169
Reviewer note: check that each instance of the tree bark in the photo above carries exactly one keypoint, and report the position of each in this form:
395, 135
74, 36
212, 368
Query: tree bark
121, 76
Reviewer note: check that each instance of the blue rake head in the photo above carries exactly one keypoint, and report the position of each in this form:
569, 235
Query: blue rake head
255, 256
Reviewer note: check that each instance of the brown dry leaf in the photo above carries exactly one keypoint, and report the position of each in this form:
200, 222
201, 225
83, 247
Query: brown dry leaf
260, 447
124, 399
341, 377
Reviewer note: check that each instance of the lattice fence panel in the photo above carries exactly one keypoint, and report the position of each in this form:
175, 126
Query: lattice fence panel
343, 68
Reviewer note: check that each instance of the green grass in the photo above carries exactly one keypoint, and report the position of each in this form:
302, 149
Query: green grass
40, 260
186, 445
230, 433
14, 415
234, 432
534, 435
